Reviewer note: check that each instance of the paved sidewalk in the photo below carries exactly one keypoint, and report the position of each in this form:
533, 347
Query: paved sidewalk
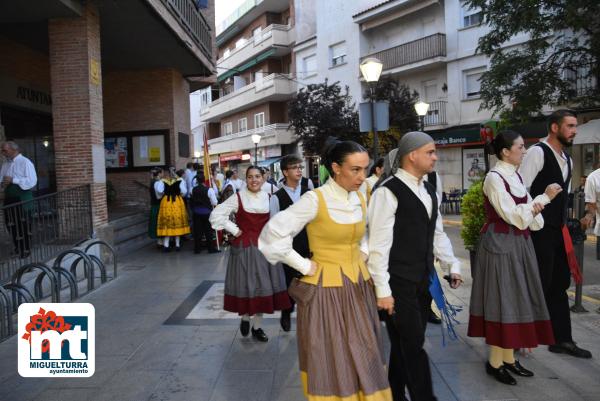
161, 335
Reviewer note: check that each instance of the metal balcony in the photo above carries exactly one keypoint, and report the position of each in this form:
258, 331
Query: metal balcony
193, 22
429, 47
436, 115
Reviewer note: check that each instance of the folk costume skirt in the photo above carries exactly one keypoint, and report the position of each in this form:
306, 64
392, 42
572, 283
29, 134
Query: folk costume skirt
340, 347
507, 302
153, 222
172, 218
252, 284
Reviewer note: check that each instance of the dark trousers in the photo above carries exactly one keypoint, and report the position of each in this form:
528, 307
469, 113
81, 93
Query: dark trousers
201, 226
556, 279
290, 274
18, 223
409, 364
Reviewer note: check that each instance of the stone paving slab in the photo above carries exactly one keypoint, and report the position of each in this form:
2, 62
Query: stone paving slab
155, 342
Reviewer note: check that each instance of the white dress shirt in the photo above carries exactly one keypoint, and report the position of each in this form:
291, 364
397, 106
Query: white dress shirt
592, 195
269, 188
382, 211
253, 202
276, 239
21, 170
293, 193
159, 188
188, 176
533, 163
520, 216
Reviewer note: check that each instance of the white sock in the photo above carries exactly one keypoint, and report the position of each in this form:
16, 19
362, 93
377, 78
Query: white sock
177, 241
256, 321
166, 241
246, 318
159, 241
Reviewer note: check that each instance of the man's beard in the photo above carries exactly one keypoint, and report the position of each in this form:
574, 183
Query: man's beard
564, 142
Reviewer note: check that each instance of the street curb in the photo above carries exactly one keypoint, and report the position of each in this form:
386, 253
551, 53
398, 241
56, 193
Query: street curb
592, 239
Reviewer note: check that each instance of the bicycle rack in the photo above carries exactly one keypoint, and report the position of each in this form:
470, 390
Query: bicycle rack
54, 286
88, 265
6, 313
22, 292
111, 249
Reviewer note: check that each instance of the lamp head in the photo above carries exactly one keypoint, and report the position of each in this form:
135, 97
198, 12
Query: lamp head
371, 68
197, 154
421, 108
256, 139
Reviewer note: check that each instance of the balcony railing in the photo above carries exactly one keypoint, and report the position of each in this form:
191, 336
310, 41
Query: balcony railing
436, 115
582, 80
258, 85
257, 39
265, 131
412, 52
193, 23
236, 14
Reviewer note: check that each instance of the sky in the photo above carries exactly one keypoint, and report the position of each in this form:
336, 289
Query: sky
225, 7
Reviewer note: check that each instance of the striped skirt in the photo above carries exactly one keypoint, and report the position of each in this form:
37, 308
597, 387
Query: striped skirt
340, 348
252, 284
507, 301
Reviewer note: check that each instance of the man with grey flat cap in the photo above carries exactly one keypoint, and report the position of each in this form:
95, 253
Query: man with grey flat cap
405, 236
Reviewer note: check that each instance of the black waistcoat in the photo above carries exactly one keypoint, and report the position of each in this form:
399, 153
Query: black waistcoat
200, 197
300, 243
554, 213
411, 255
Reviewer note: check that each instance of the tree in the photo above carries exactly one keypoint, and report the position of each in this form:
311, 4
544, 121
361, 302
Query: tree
323, 110
403, 117
558, 64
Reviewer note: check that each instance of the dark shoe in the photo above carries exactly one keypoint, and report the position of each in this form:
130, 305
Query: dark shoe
177, 248
570, 348
245, 328
285, 320
500, 374
433, 318
517, 369
214, 251
166, 249
260, 335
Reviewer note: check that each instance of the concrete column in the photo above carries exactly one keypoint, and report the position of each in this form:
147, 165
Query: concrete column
76, 84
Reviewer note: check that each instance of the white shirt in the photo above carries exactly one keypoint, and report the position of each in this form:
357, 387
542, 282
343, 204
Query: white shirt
188, 176
533, 163
438, 186
276, 239
159, 188
253, 203
21, 170
592, 195
382, 211
520, 216
293, 193
238, 184
269, 188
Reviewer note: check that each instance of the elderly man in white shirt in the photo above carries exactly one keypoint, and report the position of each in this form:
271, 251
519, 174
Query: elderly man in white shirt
18, 179
405, 235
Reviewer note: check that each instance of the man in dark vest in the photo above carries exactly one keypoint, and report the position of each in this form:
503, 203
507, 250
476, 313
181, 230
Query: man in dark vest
546, 163
202, 202
293, 187
18, 179
405, 235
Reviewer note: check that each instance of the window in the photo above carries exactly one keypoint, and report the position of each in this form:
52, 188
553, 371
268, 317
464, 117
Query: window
243, 124
259, 120
241, 42
256, 33
228, 128
226, 53
337, 54
470, 16
258, 76
472, 83
309, 65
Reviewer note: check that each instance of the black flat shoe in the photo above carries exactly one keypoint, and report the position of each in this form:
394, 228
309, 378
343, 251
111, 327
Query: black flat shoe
245, 328
517, 369
500, 374
433, 318
260, 335
285, 321
570, 348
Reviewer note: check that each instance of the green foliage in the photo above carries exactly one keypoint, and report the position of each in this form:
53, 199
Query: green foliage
473, 214
557, 66
320, 111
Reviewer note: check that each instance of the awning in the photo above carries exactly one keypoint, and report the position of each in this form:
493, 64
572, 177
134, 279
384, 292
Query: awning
269, 161
588, 133
244, 67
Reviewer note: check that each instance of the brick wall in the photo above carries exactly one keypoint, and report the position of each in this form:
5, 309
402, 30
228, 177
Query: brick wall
22, 63
275, 112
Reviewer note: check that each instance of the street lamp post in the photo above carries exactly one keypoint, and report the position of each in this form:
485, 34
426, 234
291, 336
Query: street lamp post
371, 69
421, 108
256, 140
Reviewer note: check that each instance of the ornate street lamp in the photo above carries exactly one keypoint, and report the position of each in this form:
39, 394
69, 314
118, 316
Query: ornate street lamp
421, 108
256, 139
371, 68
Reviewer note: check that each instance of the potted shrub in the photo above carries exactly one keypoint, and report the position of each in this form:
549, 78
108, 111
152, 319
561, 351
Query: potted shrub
473, 219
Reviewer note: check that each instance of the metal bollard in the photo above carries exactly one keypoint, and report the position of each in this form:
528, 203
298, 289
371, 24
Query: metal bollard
578, 237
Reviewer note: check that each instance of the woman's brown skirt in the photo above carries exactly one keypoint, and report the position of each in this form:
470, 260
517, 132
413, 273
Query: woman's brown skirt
340, 348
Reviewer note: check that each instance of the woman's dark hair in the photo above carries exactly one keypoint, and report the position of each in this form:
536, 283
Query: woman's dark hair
504, 140
228, 174
253, 167
336, 151
180, 172
378, 163
199, 177
155, 172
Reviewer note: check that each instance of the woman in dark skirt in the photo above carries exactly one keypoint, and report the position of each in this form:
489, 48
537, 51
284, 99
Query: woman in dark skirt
339, 335
252, 285
507, 302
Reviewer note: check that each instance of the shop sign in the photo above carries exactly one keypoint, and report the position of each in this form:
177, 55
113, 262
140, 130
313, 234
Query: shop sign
457, 137
231, 156
23, 94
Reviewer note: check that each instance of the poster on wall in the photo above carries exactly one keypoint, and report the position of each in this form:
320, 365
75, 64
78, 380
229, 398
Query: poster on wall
115, 152
473, 166
148, 150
